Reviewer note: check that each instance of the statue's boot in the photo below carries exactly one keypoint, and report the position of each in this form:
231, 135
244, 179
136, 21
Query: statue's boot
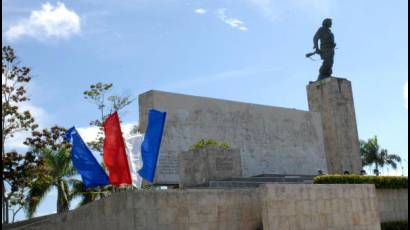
321, 77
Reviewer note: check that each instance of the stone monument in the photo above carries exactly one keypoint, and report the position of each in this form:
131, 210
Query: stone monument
271, 140
333, 99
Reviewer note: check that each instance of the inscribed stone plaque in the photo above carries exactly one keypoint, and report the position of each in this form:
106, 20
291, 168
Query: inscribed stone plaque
199, 166
223, 164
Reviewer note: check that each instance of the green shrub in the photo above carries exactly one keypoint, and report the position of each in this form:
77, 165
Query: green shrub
397, 225
205, 143
381, 182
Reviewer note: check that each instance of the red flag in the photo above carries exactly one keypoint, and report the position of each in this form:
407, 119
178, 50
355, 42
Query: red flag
115, 158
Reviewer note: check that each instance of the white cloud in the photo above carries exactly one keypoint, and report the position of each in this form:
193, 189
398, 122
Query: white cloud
16, 142
88, 133
42, 118
233, 22
406, 94
48, 22
200, 11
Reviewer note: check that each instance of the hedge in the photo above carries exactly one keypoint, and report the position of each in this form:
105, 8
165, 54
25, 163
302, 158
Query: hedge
398, 225
206, 143
381, 182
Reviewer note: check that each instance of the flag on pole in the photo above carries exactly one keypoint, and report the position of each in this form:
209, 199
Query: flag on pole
92, 174
134, 158
115, 158
151, 144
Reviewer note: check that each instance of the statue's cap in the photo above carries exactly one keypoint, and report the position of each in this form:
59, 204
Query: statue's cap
327, 21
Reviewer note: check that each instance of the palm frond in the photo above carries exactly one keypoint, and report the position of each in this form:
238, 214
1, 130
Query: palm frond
372, 153
79, 190
66, 165
395, 157
50, 161
392, 160
36, 194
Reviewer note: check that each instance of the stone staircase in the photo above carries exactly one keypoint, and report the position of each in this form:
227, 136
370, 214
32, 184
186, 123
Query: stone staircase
256, 181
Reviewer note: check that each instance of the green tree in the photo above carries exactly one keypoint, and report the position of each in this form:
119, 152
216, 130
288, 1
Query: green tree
57, 169
372, 153
99, 94
18, 169
58, 172
107, 103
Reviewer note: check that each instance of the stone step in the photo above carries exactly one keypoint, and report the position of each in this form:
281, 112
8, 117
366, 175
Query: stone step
285, 176
250, 184
256, 181
267, 179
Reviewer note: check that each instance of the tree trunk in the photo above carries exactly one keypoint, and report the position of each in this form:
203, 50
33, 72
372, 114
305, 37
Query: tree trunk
377, 170
5, 202
62, 200
59, 200
7, 211
15, 213
5, 206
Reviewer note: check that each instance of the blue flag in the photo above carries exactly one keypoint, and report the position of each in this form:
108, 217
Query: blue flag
91, 172
151, 143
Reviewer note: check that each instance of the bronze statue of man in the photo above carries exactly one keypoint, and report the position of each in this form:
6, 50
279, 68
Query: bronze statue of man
327, 48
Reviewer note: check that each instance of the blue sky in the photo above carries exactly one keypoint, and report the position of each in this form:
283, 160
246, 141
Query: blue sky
243, 50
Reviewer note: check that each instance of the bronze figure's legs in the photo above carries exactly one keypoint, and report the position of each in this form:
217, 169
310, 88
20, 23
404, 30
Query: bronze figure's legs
325, 70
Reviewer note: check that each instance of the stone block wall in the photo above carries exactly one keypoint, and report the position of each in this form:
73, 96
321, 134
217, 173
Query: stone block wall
336, 207
277, 206
393, 204
199, 166
162, 210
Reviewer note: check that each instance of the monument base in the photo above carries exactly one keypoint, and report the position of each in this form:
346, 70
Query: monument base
333, 99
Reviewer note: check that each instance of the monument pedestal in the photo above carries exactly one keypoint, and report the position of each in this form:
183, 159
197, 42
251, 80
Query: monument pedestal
333, 99
199, 166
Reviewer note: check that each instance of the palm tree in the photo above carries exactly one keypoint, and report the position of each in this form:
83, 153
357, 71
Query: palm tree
372, 153
59, 173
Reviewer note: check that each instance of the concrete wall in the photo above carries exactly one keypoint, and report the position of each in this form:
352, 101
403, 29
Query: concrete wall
333, 98
271, 139
393, 204
163, 210
336, 207
199, 166
284, 207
